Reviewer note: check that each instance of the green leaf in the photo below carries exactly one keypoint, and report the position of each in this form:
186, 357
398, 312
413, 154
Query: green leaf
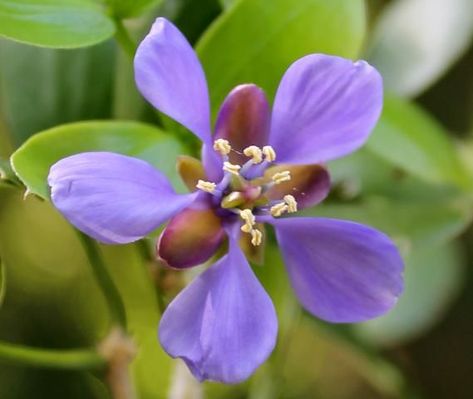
256, 40
55, 23
433, 278
411, 139
130, 8
58, 87
415, 41
3, 282
131, 273
412, 225
48, 264
32, 161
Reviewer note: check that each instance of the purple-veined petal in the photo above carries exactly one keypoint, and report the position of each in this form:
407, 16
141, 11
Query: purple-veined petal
170, 76
223, 325
341, 271
243, 120
325, 108
309, 184
113, 198
191, 237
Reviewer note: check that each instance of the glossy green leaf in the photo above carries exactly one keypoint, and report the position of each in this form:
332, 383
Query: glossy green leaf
412, 225
411, 139
433, 278
130, 8
32, 160
415, 41
256, 40
55, 23
41, 88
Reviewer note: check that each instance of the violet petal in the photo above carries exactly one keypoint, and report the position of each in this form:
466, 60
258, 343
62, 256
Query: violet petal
309, 184
170, 76
223, 325
111, 197
341, 271
325, 108
243, 120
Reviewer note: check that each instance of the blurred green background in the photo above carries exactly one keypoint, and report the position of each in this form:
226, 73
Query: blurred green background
65, 61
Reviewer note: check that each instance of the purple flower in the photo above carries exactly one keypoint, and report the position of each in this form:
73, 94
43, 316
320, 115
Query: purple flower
224, 324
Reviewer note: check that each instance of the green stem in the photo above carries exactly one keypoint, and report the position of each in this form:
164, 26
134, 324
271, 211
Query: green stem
124, 39
105, 282
76, 359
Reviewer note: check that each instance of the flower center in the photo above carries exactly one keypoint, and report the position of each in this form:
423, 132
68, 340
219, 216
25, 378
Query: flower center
242, 189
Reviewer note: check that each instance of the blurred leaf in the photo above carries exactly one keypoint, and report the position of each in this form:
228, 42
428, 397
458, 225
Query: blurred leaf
412, 225
32, 161
227, 3
433, 277
256, 40
130, 8
152, 367
3, 282
54, 301
411, 139
55, 23
41, 88
190, 16
6, 172
415, 41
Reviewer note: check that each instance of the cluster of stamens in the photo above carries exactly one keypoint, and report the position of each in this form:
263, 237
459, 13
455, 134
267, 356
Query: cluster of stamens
257, 156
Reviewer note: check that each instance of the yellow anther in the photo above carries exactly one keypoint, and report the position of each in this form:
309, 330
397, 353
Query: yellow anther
278, 209
281, 177
229, 167
222, 146
206, 186
291, 203
249, 219
256, 237
269, 153
255, 153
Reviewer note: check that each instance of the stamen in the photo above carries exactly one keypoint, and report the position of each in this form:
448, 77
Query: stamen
229, 167
256, 237
291, 203
281, 177
255, 153
222, 146
278, 209
249, 219
269, 153
206, 186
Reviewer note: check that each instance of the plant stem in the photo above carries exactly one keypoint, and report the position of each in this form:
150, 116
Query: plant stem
105, 282
124, 39
75, 359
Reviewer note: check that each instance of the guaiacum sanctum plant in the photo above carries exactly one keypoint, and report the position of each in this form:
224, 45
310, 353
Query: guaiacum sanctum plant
259, 167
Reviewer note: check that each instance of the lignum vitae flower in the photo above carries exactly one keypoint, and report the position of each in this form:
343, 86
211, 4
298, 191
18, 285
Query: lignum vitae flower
258, 167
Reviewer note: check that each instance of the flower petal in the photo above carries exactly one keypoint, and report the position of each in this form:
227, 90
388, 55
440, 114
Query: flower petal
191, 171
223, 325
170, 76
341, 271
191, 237
325, 107
243, 120
113, 198
309, 184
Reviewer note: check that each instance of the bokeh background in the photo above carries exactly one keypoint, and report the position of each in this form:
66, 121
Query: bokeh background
71, 60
